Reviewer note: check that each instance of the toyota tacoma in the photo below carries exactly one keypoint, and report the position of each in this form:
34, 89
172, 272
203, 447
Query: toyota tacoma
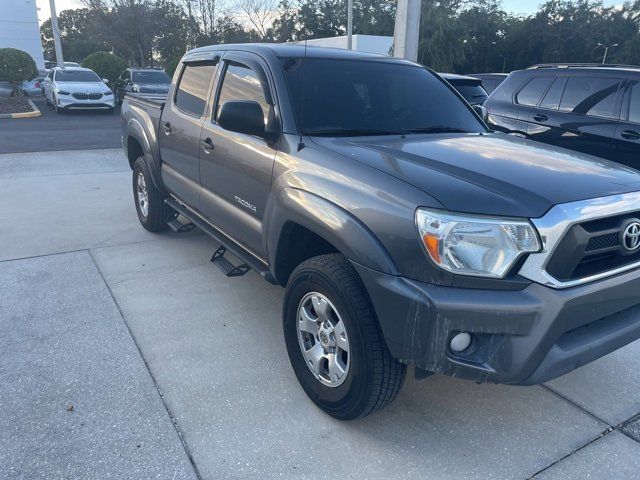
404, 231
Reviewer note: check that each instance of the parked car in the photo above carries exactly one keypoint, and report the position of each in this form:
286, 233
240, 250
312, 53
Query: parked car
30, 87
33, 87
147, 81
490, 81
404, 231
74, 88
593, 109
49, 64
470, 88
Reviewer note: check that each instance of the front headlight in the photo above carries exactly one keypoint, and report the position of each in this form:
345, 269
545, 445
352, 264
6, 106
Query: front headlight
62, 92
108, 92
475, 245
135, 88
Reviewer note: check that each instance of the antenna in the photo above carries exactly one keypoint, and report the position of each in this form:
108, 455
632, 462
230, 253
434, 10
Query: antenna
301, 144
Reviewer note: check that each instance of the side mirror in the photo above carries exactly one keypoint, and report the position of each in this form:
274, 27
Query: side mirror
105, 80
242, 116
482, 112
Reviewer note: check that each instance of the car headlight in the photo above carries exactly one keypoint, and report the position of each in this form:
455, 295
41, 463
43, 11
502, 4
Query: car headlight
135, 88
62, 92
475, 245
108, 92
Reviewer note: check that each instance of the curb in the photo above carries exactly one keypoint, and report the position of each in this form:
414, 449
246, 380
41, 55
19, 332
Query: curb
34, 113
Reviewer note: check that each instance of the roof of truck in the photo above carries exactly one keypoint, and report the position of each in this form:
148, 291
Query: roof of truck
296, 50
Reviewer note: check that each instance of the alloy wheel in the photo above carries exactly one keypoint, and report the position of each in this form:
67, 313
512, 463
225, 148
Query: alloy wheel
323, 339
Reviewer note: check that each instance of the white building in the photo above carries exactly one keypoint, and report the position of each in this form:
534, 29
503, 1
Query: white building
361, 43
19, 28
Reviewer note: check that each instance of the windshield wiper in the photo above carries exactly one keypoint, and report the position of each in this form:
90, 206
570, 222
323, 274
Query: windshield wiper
436, 129
339, 132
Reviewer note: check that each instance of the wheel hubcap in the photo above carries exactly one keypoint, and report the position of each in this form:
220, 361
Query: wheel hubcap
143, 195
323, 339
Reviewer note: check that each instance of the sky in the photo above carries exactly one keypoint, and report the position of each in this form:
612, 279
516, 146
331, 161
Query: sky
514, 6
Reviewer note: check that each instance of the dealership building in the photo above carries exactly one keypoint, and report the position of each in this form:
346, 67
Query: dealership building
19, 28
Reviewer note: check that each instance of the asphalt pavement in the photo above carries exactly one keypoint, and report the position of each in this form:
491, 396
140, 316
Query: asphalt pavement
73, 130
154, 346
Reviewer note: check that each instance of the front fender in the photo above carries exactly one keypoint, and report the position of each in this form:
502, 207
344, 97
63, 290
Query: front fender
329, 221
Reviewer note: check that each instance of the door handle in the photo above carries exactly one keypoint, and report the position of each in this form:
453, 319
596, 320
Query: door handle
207, 145
538, 117
167, 128
631, 135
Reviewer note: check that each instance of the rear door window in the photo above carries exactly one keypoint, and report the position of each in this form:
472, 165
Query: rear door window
551, 100
193, 89
532, 92
590, 96
634, 104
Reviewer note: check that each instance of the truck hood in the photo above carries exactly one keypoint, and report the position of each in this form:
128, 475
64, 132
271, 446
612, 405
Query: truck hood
493, 174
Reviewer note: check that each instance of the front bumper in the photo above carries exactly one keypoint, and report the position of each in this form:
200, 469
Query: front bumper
521, 337
71, 103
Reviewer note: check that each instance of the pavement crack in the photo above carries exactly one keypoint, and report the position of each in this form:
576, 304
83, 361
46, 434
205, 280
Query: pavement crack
179, 433
578, 406
601, 435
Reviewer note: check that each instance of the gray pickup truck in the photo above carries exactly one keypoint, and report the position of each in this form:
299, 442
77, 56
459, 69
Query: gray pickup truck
404, 231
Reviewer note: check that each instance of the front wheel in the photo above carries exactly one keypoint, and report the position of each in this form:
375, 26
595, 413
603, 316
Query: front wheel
334, 342
152, 211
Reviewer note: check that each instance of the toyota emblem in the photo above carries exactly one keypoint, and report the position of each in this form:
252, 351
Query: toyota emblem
631, 236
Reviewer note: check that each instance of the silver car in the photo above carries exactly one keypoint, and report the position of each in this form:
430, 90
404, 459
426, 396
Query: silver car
77, 89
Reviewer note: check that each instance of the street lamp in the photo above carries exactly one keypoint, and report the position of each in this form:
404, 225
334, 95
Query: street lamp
606, 50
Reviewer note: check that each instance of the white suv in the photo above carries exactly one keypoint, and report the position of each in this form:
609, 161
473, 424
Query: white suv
77, 88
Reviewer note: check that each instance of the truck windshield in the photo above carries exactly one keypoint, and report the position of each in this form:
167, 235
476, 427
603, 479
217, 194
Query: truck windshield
151, 77
335, 97
76, 76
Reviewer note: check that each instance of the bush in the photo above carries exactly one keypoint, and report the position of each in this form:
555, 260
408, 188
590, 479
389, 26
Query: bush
16, 66
106, 65
171, 66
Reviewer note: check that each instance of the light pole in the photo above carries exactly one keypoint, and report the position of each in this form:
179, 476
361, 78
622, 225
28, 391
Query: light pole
407, 29
606, 50
350, 25
56, 34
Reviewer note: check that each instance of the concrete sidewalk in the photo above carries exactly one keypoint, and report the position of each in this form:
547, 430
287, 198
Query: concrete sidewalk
213, 345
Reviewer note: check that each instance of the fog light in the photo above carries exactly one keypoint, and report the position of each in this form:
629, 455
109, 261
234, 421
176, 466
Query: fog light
460, 342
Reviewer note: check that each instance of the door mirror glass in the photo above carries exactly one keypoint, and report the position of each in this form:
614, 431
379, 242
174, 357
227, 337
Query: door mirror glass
242, 116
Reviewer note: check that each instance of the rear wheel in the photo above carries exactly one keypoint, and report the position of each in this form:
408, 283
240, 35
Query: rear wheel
334, 341
152, 211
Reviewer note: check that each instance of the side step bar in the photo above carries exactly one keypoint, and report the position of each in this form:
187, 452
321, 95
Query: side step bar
228, 268
177, 226
247, 259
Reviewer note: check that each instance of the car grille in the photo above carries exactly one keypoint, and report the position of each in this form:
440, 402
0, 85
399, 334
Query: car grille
593, 247
87, 96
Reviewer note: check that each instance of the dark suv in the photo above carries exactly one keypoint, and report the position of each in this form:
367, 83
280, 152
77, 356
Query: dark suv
149, 81
590, 108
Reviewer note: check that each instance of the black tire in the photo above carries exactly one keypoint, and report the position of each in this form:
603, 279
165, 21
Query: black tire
374, 377
158, 212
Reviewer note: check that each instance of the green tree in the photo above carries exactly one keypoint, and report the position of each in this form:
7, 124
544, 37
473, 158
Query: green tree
16, 66
78, 35
171, 66
105, 64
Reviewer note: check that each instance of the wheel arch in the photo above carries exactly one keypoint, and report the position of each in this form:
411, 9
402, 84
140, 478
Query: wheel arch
303, 225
